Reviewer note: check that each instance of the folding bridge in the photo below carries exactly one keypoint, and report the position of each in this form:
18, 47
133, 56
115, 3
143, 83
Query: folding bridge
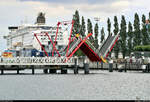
76, 42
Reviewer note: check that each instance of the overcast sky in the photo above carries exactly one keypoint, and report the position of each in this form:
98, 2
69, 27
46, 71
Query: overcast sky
13, 12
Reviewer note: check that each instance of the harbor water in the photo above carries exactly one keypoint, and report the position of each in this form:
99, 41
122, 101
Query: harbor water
98, 85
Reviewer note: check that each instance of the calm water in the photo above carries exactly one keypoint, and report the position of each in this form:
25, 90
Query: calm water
99, 85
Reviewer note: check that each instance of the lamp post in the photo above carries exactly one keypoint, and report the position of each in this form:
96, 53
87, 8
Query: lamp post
97, 19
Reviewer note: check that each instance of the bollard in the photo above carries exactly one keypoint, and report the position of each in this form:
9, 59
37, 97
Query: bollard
116, 66
86, 65
97, 65
146, 70
129, 65
32, 68
86, 68
125, 68
148, 67
2, 71
52, 71
17, 71
75, 67
33, 71
45, 71
101, 65
110, 67
64, 71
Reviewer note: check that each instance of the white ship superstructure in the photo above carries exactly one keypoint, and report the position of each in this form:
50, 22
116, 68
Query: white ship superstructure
22, 37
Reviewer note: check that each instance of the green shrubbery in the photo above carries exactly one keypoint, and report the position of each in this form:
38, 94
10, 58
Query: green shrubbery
142, 48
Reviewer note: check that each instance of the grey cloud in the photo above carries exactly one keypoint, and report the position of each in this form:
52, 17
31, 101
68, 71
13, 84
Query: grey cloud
85, 5
72, 2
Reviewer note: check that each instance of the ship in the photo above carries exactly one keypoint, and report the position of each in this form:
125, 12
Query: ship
21, 40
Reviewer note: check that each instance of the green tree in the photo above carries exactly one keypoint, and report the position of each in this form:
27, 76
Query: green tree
123, 36
148, 26
137, 32
149, 15
145, 38
96, 35
109, 26
77, 29
90, 30
130, 38
83, 28
102, 35
116, 30
109, 30
76, 26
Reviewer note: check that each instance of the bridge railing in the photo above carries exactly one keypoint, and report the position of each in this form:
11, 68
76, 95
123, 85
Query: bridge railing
36, 61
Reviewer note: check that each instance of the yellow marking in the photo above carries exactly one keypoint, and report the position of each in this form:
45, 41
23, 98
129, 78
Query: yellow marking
7, 54
77, 35
103, 59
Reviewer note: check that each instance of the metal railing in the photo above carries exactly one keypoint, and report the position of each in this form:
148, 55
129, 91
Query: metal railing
91, 46
36, 61
105, 47
116, 66
73, 46
111, 43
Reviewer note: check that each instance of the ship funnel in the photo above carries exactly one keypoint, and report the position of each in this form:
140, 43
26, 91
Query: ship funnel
41, 19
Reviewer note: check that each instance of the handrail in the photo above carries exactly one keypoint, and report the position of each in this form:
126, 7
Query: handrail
73, 46
91, 46
36, 61
104, 42
116, 36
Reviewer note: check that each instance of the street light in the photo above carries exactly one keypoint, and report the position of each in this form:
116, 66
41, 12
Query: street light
97, 19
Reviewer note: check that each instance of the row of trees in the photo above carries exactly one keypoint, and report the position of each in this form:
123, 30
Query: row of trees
81, 29
131, 35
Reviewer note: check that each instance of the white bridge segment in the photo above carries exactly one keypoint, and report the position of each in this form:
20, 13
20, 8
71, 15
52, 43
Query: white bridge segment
37, 61
108, 49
